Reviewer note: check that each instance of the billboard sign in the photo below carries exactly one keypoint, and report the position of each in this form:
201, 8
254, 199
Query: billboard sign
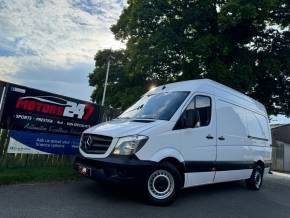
30, 109
29, 142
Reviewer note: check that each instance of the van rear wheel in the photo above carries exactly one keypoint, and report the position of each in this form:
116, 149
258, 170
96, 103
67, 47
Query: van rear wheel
163, 184
256, 179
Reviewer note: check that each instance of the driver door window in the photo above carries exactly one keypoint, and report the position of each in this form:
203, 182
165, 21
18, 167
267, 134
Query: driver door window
202, 104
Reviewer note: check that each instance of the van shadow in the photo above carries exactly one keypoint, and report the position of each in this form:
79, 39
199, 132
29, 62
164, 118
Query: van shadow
130, 194
112, 192
206, 190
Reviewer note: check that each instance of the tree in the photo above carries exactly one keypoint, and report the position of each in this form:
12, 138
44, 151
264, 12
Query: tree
273, 73
122, 88
233, 42
241, 43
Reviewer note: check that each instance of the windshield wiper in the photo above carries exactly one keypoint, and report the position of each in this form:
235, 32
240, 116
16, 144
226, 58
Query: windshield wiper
118, 118
137, 108
145, 118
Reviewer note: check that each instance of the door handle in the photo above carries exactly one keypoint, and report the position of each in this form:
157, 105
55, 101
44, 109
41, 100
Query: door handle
209, 136
221, 138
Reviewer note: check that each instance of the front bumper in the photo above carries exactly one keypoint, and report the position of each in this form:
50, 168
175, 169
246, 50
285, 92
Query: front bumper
119, 169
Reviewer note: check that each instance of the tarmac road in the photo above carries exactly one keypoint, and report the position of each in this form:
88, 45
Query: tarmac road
86, 198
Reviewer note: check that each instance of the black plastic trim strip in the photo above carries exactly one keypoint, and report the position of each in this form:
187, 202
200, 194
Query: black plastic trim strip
208, 166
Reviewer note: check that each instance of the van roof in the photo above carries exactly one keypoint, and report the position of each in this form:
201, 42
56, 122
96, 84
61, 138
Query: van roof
214, 88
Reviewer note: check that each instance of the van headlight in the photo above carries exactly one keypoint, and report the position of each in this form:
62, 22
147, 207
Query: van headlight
129, 145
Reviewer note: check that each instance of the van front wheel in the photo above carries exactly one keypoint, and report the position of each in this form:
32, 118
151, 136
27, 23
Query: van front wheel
163, 184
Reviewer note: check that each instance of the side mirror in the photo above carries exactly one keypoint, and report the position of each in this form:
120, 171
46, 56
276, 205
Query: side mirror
191, 117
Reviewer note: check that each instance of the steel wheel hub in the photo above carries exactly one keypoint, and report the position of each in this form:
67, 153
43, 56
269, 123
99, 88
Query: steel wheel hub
161, 184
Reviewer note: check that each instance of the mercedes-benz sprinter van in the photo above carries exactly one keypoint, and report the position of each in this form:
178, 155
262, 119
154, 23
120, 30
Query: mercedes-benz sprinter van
181, 135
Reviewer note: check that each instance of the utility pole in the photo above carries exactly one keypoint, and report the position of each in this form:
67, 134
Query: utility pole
106, 82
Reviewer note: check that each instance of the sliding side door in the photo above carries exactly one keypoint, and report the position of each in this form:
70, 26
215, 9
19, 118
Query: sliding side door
234, 155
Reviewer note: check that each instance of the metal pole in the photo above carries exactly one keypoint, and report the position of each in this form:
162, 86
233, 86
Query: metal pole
106, 82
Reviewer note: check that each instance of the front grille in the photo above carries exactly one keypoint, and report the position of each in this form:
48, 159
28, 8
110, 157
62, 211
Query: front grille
95, 144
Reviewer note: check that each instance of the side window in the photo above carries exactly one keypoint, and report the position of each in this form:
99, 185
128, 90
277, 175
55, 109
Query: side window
197, 113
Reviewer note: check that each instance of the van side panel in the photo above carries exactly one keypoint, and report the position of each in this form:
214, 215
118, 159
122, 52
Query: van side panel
260, 137
235, 156
195, 179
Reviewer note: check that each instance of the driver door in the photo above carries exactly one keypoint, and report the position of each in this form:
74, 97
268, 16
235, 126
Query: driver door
199, 142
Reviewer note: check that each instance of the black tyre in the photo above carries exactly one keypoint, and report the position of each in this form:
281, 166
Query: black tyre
163, 184
256, 179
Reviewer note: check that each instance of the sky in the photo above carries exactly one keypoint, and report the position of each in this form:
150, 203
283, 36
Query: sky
50, 44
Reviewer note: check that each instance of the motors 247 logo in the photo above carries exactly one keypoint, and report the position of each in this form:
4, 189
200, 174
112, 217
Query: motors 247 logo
55, 106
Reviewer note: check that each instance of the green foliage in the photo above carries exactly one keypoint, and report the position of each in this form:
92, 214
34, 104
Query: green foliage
122, 88
241, 43
24, 175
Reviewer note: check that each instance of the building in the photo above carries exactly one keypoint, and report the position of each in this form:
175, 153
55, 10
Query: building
281, 147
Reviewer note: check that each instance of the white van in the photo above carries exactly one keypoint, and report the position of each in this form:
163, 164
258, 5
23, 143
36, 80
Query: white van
181, 135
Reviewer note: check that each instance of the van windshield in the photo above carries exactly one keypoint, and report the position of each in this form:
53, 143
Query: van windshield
160, 106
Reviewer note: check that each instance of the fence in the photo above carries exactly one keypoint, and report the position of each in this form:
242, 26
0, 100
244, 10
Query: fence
39, 160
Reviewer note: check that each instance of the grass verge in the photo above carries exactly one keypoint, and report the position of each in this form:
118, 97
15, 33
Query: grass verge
25, 175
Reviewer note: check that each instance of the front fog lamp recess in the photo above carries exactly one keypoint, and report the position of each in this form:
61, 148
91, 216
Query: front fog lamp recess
129, 145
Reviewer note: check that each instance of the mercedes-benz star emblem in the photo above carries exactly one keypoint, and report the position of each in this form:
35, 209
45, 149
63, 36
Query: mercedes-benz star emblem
89, 141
